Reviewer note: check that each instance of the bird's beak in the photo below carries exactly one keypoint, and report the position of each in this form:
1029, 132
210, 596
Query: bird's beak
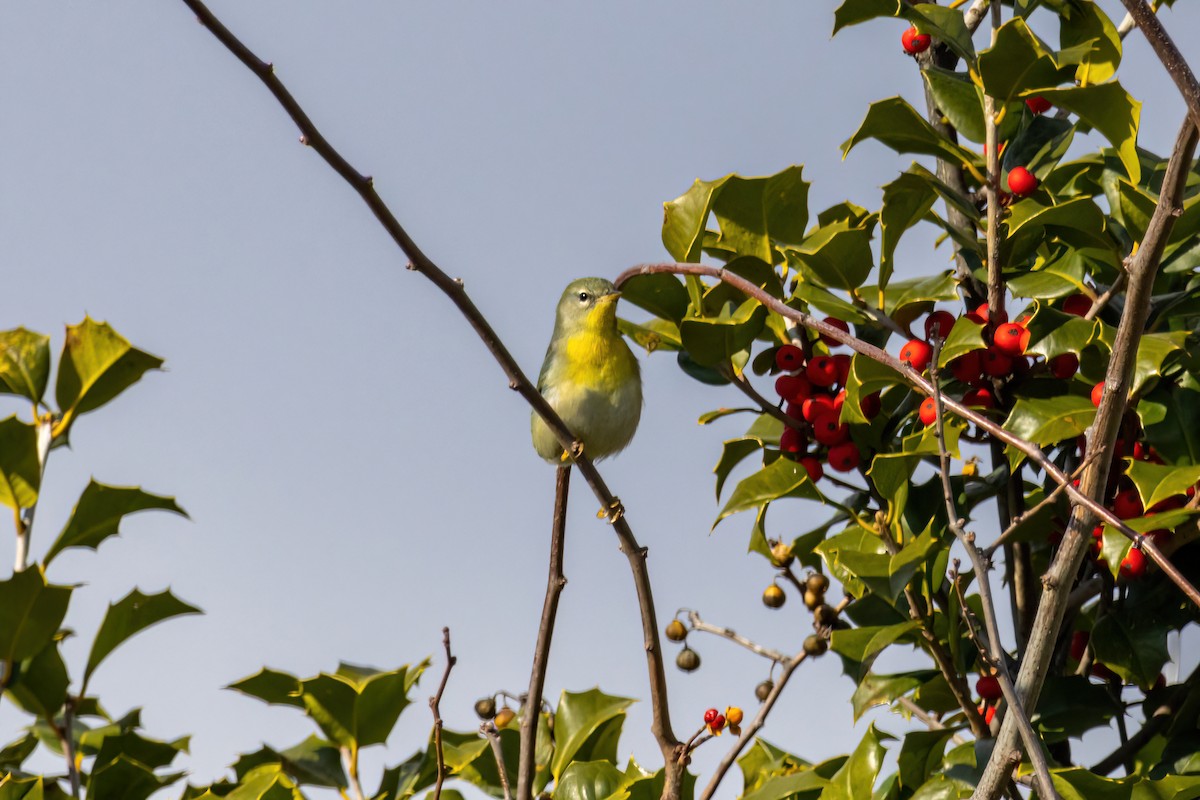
611, 297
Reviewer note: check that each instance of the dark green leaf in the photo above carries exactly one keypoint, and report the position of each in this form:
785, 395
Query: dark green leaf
358, 706
1084, 24
20, 473
896, 124
1135, 649
13, 754
662, 295
1016, 62
31, 612
272, 687
1155, 482
905, 202
921, 756
958, 98
312, 762
131, 614
861, 644
837, 255
99, 512
40, 683
97, 364
588, 780
1110, 110
24, 363
148, 752
1070, 706
126, 779
712, 342
733, 452
782, 478
877, 690
965, 337
1177, 437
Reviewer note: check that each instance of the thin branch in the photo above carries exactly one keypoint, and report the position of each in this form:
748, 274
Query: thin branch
1176, 65
921, 384
488, 729
996, 655
635, 554
766, 652
24, 522
434, 703
350, 757
1162, 716
1058, 491
931, 722
555, 582
1118, 285
766, 406
1058, 579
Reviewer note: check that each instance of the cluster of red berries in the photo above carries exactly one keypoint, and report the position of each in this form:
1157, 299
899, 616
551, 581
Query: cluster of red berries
716, 722
1004, 357
812, 389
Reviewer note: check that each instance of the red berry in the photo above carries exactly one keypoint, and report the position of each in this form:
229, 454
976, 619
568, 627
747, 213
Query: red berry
988, 688
1077, 305
836, 323
710, 715
1102, 672
1038, 104
870, 405
1011, 338
1133, 565
981, 315
789, 358
1064, 366
1021, 182
979, 398
791, 441
967, 368
1127, 504
1079, 643
844, 457
1097, 393
916, 354
939, 324
828, 430
822, 371
839, 400
996, 363
718, 723
812, 466
928, 411
793, 388
816, 405
1171, 503
988, 712
914, 42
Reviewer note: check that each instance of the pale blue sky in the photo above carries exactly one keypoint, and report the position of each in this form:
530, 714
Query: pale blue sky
357, 471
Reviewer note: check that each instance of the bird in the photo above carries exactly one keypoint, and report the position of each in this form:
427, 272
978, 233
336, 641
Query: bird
590, 377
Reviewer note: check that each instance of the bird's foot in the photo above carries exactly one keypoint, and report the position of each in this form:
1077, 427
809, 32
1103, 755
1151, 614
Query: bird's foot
612, 512
576, 449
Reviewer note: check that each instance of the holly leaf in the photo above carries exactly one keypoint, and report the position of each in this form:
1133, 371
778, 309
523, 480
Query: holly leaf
128, 616
781, 478
24, 364
99, 512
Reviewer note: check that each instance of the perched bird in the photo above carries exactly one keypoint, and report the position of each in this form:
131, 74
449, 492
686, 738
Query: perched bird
590, 376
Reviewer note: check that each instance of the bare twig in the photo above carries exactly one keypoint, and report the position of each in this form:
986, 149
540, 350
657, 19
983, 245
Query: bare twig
766, 652
350, 759
24, 522
1118, 285
1061, 575
635, 554
541, 653
920, 383
931, 722
434, 703
488, 729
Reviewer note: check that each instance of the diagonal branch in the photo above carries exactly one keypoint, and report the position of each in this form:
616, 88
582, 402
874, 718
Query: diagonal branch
434, 705
635, 554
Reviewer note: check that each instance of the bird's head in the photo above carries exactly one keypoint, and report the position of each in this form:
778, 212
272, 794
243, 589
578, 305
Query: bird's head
588, 304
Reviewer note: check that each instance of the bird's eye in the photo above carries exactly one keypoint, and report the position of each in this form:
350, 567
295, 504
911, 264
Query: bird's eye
584, 297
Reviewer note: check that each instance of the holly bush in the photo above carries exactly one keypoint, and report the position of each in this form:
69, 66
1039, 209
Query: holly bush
1019, 431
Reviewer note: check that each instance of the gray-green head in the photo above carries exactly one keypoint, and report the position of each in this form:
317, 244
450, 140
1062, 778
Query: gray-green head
587, 303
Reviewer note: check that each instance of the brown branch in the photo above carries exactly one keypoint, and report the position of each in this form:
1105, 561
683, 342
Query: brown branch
1008, 532
488, 729
541, 652
766, 652
1176, 65
931, 722
1061, 575
636, 555
921, 384
434, 706
1100, 302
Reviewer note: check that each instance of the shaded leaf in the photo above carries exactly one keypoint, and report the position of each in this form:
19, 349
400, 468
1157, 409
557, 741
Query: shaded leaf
358, 706
99, 512
20, 473
272, 687
131, 614
1135, 649
781, 478
31, 612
